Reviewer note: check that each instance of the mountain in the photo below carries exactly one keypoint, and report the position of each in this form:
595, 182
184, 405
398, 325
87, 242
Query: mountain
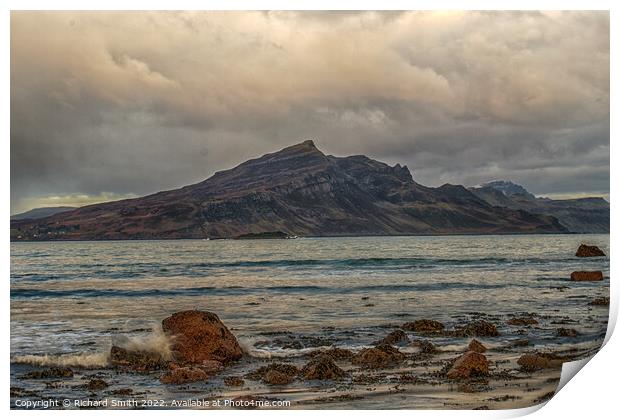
298, 191
579, 215
40, 212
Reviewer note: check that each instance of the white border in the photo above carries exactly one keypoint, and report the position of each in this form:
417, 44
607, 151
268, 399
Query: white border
592, 395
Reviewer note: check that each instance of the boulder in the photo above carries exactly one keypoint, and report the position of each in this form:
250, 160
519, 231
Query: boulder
200, 336
139, 361
589, 251
522, 321
602, 301
586, 276
275, 374
469, 364
398, 337
322, 367
424, 326
477, 329
378, 357
533, 362
477, 346
184, 375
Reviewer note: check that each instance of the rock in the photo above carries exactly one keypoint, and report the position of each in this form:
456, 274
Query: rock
200, 336
477, 329
55, 372
334, 352
424, 326
589, 251
322, 367
123, 392
275, 374
273, 377
522, 321
184, 375
477, 346
533, 362
378, 357
468, 365
211, 367
602, 301
566, 332
398, 337
138, 361
586, 276
234, 381
97, 384
425, 346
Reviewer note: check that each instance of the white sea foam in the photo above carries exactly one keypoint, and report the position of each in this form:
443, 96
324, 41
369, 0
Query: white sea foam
156, 342
85, 360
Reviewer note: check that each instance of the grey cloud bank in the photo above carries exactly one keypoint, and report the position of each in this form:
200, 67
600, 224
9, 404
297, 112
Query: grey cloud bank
113, 104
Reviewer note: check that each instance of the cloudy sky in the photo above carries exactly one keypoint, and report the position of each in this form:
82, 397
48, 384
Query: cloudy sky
110, 105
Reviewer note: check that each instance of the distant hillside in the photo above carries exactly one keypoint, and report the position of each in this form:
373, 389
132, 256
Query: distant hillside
40, 212
297, 191
579, 215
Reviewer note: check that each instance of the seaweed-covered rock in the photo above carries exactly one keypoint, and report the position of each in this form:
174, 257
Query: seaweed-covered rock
55, 372
275, 374
96, 384
522, 321
335, 353
566, 332
589, 251
477, 346
184, 375
139, 361
424, 326
199, 336
425, 346
468, 365
477, 329
586, 276
398, 337
532, 362
378, 357
602, 301
322, 367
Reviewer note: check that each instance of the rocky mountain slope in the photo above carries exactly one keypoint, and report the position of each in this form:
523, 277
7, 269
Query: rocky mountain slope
580, 215
297, 190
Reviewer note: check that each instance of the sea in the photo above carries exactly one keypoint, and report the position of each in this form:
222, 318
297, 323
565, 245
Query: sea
71, 301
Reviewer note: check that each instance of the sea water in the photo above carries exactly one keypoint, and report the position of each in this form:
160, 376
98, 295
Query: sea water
70, 301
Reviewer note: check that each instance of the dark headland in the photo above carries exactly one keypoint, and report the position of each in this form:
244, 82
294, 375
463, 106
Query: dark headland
301, 191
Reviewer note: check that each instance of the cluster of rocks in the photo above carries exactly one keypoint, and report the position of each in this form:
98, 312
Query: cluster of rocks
201, 346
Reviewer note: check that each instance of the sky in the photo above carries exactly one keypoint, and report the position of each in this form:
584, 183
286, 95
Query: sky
109, 105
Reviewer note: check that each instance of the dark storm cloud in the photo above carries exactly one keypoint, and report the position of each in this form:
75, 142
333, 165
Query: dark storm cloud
106, 105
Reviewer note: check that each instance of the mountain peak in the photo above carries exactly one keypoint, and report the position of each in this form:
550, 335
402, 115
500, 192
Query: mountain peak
509, 188
308, 143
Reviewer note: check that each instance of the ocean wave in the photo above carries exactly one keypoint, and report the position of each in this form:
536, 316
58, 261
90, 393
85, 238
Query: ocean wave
155, 342
83, 360
119, 270
37, 293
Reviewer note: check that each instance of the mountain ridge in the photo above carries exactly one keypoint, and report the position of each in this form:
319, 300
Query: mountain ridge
298, 190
